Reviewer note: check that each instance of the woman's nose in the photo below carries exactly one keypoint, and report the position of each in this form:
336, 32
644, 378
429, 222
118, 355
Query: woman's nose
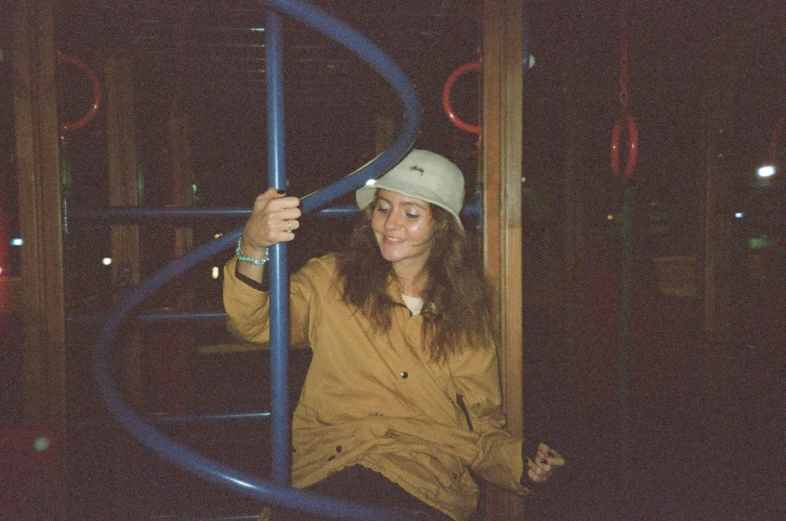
391, 221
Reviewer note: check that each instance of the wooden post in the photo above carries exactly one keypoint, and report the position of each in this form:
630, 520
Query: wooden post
38, 180
501, 173
124, 183
717, 224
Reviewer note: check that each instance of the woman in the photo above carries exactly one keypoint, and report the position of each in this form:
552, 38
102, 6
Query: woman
401, 402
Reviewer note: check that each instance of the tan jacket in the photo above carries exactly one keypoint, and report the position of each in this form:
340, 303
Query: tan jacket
376, 399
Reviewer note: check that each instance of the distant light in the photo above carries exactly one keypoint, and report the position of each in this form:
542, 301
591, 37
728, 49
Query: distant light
216, 272
1, 270
766, 171
610, 217
370, 182
106, 261
41, 444
216, 236
17, 242
759, 243
739, 215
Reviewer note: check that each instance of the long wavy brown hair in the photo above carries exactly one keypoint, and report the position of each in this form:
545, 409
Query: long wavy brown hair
457, 309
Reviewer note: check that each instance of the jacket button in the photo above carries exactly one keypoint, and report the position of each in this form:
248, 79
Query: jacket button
404, 375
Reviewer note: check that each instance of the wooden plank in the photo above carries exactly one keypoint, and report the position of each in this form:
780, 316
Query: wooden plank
10, 294
501, 171
717, 224
38, 179
124, 176
124, 182
40, 208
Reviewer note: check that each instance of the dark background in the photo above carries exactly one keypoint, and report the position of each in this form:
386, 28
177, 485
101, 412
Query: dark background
707, 415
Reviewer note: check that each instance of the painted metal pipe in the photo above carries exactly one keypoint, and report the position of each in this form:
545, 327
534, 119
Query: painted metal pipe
196, 463
190, 214
279, 277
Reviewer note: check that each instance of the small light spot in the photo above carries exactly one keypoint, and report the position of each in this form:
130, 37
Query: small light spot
17, 242
739, 215
370, 182
106, 261
766, 171
216, 272
41, 443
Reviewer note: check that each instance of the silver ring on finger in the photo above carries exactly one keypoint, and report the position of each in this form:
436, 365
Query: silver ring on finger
289, 226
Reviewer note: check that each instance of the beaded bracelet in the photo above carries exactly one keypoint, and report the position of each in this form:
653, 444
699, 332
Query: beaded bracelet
252, 260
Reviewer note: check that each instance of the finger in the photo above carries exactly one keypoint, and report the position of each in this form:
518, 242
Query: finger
282, 202
285, 214
291, 225
554, 458
535, 476
551, 456
285, 232
539, 468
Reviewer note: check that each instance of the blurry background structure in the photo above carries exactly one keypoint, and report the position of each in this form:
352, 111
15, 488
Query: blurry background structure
706, 425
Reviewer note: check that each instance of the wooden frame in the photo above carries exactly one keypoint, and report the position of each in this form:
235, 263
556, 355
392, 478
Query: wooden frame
501, 166
38, 181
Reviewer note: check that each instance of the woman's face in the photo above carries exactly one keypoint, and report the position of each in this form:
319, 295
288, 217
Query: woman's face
404, 229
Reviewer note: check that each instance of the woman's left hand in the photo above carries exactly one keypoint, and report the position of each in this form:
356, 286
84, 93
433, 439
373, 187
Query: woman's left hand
544, 464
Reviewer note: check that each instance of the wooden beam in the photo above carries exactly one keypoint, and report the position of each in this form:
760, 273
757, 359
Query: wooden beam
38, 180
40, 219
124, 176
501, 173
716, 223
124, 190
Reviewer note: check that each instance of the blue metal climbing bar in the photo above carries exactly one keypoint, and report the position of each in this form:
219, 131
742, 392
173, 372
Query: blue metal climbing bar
277, 491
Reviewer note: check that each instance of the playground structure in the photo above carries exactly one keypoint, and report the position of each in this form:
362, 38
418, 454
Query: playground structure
54, 142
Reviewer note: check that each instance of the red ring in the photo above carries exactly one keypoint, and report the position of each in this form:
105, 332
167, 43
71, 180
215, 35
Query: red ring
475, 129
97, 92
633, 145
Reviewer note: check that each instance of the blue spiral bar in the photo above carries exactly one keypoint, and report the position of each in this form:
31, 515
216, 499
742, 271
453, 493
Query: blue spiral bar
196, 463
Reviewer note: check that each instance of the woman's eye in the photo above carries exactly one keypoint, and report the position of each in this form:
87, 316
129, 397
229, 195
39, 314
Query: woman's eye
412, 216
381, 209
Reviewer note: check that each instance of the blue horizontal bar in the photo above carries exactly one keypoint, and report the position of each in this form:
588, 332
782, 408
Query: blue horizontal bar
208, 418
135, 214
162, 419
224, 518
174, 215
153, 317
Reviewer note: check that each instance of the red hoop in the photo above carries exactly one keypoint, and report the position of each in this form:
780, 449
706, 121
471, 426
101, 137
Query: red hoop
91, 113
475, 129
776, 142
633, 145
